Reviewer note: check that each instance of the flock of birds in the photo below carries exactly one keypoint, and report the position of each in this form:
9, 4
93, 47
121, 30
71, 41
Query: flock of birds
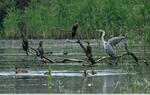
107, 45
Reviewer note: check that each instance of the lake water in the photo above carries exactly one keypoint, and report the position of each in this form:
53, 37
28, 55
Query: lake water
124, 77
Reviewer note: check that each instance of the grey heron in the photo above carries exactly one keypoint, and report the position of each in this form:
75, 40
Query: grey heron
111, 42
25, 44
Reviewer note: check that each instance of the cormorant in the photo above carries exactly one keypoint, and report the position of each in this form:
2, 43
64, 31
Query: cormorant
89, 49
74, 30
25, 44
40, 50
89, 52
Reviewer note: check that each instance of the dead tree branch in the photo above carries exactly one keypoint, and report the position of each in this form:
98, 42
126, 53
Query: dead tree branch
74, 60
87, 53
45, 58
124, 54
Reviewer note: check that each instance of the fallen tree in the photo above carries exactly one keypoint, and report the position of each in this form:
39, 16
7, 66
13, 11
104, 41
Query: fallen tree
124, 54
88, 52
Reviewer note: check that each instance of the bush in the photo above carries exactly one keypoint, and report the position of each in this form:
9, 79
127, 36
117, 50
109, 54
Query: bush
41, 17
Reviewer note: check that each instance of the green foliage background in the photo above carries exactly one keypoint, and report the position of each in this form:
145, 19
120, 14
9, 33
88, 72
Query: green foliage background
40, 18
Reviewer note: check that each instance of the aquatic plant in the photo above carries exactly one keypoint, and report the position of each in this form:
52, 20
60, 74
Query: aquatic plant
49, 77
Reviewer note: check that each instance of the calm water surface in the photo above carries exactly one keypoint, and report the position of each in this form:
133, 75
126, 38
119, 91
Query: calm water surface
126, 77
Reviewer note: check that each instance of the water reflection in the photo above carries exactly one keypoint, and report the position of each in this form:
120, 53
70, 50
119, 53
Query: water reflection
66, 77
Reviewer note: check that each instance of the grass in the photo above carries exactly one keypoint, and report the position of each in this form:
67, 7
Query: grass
40, 19
49, 78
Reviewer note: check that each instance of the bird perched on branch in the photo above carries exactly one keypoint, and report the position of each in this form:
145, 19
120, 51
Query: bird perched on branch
40, 50
25, 44
88, 48
74, 30
108, 44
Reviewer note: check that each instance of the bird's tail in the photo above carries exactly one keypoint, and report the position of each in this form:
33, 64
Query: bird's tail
114, 57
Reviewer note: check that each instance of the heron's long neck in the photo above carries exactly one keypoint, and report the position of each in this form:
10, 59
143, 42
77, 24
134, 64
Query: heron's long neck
102, 38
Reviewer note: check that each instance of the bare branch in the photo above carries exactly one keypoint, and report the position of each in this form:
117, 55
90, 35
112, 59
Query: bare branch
37, 52
125, 54
74, 60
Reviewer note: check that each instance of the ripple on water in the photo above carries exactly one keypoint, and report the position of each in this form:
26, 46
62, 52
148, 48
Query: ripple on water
106, 72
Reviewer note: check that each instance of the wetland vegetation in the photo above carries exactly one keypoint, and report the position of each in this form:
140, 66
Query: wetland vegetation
65, 63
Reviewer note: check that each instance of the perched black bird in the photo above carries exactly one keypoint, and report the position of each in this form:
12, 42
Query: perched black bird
74, 30
89, 49
25, 44
89, 52
40, 50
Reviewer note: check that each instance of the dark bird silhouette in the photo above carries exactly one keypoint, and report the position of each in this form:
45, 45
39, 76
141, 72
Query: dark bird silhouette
89, 52
74, 30
20, 70
40, 50
25, 44
89, 49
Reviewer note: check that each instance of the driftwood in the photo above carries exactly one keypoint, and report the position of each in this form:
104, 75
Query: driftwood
44, 58
69, 59
91, 59
88, 55
48, 60
124, 54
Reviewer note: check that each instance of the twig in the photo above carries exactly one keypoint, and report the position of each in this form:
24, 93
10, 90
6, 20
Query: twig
74, 60
49, 60
145, 62
124, 54
88, 54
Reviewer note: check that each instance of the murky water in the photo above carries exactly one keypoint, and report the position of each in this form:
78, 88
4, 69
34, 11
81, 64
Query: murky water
125, 77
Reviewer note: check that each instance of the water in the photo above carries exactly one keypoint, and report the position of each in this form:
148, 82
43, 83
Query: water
126, 77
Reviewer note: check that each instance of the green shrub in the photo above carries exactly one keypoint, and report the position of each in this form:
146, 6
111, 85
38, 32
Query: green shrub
42, 17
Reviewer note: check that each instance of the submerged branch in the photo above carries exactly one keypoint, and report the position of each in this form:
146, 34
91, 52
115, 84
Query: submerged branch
37, 52
74, 60
86, 51
124, 54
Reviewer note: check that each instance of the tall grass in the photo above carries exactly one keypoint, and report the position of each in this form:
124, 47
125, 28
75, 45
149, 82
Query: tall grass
49, 78
40, 18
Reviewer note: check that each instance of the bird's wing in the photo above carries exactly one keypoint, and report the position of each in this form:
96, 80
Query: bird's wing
115, 40
109, 50
38, 51
25, 41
